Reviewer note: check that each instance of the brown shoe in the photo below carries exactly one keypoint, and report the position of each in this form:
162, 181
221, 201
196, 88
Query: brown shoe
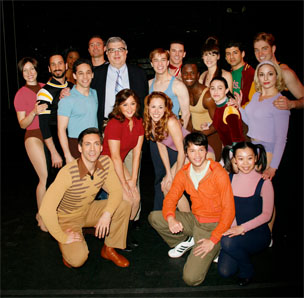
66, 263
109, 253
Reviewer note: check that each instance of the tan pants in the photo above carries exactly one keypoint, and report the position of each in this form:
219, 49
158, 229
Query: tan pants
76, 253
129, 165
195, 268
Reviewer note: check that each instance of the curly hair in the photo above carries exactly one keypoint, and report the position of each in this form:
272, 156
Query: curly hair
280, 85
161, 127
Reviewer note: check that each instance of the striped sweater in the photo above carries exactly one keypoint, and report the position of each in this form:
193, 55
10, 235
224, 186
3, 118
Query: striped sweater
73, 191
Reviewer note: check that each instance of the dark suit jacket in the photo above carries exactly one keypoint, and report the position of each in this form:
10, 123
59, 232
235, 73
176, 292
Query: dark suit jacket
138, 83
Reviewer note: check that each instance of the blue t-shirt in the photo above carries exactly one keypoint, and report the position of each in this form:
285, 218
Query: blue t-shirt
81, 110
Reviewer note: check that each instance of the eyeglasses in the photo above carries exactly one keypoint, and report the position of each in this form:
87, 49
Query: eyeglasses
113, 50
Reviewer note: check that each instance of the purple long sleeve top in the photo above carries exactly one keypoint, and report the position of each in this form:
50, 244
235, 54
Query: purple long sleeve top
268, 124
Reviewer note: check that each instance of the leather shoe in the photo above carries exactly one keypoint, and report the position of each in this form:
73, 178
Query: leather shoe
109, 253
244, 281
66, 263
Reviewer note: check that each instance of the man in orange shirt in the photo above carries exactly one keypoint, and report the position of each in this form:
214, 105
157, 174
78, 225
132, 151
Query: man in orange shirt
212, 209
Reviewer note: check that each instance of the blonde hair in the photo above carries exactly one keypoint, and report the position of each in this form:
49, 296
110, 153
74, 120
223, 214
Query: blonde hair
280, 85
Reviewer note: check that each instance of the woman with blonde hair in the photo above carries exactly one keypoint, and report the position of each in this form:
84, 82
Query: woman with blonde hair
28, 109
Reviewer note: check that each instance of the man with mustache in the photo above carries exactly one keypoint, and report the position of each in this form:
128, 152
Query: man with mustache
49, 94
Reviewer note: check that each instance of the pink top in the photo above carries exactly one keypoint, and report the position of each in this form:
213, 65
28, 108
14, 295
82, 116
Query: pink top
116, 130
25, 100
244, 185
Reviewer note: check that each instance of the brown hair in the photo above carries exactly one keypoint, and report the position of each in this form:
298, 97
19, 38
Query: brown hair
25, 60
161, 127
267, 37
158, 51
121, 97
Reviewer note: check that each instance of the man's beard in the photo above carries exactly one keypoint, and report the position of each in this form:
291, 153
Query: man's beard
58, 76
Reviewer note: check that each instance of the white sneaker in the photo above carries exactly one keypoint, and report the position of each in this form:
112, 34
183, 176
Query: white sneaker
181, 248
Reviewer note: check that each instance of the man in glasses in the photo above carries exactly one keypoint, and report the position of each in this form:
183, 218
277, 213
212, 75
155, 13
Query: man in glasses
115, 76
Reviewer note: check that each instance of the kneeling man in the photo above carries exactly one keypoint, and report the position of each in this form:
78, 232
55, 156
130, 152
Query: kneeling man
69, 205
212, 210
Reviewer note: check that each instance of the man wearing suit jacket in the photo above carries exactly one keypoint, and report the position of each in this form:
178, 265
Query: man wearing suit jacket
105, 83
105, 78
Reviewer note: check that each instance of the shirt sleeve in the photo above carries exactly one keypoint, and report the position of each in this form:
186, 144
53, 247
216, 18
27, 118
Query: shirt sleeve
113, 130
267, 194
20, 101
45, 97
50, 202
281, 122
65, 107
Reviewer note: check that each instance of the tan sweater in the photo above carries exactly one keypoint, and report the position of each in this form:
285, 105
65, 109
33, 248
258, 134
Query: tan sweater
73, 190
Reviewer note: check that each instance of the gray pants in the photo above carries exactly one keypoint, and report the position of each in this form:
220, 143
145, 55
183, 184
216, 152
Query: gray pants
195, 268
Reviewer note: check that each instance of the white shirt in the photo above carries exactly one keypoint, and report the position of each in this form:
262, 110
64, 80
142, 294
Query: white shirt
110, 86
197, 177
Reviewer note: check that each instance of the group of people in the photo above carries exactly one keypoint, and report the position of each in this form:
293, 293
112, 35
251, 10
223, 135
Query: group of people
216, 140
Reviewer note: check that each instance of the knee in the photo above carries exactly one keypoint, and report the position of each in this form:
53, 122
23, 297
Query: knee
223, 271
192, 280
227, 243
154, 218
78, 259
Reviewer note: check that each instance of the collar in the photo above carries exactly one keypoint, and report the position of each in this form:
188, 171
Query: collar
222, 104
54, 83
83, 169
177, 69
122, 69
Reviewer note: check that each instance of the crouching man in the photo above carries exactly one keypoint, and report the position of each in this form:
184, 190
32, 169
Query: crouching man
69, 205
212, 210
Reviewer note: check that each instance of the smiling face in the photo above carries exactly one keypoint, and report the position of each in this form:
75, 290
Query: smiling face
57, 66
267, 76
96, 47
210, 59
197, 156
29, 74
177, 53
263, 50
245, 160
83, 75
218, 91
160, 63
190, 74
128, 107
117, 54
157, 108
90, 148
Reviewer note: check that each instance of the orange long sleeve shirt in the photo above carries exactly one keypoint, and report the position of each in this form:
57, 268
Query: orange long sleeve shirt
212, 202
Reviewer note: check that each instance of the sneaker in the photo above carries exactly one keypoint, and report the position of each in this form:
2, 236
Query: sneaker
181, 248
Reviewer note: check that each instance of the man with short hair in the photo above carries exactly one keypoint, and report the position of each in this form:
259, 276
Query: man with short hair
177, 54
264, 49
77, 111
242, 73
202, 107
178, 93
49, 94
69, 205
96, 51
212, 209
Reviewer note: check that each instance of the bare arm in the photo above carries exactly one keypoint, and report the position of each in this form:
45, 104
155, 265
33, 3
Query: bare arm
227, 75
26, 120
136, 159
114, 146
62, 124
181, 91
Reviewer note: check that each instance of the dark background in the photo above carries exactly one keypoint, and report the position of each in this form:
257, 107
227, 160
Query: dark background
36, 28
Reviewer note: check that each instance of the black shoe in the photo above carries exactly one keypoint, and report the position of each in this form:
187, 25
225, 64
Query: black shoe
136, 225
127, 249
244, 281
131, 241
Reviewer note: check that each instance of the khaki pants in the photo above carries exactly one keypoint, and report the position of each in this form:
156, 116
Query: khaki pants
76, 253
195, 268
129, 165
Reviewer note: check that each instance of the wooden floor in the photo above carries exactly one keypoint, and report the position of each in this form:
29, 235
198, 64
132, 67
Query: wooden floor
31, 264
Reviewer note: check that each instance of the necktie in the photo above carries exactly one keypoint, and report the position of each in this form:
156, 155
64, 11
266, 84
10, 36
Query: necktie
118, 84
